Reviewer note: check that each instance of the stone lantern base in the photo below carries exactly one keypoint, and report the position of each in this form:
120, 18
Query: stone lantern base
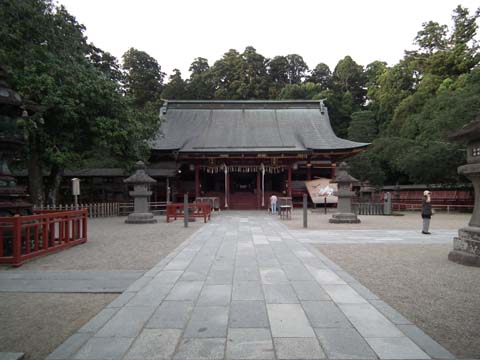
344, 218
466, 247
141, 218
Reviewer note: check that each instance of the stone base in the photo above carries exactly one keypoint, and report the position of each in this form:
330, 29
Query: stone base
466, 247
344, 218
141, 218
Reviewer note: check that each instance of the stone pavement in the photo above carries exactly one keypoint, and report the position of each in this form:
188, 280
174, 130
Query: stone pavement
246, 287
374, 236
67, 281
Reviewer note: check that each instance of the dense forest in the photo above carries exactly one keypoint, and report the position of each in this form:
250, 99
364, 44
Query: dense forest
101, 111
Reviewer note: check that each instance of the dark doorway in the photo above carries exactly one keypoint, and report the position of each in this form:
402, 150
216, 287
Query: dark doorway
243, 190
244, 183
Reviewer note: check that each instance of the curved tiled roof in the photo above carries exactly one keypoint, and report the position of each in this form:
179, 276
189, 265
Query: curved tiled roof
248, 126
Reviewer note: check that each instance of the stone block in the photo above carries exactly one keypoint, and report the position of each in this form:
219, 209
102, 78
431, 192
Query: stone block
344, 344
396, 348
171, 315
208, 321
201, 349
243, 344
154, 344
288, 320
325, 314
298, 348
248, 314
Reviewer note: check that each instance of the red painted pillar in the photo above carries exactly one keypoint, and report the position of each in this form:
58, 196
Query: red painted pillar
197, 181
227, 190
17, 241
334, 171
259, 190
289, 181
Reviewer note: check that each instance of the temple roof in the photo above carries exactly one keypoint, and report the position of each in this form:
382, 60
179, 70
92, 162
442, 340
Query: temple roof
248, 126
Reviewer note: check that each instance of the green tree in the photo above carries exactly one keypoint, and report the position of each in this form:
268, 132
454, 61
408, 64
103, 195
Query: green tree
226, 76
176, 88
348, 77
143, 77
297, 69
254, 80
200, 86
321, 75
73, 84
363, 127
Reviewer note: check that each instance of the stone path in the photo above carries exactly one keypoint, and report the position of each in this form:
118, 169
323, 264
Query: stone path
245, 287
374, 236
67, 281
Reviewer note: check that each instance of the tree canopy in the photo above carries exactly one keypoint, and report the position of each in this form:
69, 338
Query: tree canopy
98, 110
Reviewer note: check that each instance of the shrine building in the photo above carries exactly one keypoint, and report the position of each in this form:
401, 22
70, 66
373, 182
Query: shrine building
244, 151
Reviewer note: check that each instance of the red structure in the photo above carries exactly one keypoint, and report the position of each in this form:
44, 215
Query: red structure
195, 210
25, 237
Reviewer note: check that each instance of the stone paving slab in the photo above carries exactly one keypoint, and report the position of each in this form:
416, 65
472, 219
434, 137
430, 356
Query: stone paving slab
246, 287
11, 356
375, 236
67, 281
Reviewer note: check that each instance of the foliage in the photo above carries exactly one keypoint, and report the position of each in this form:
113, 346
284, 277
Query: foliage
363, 127
76, 86
144, 78
94, 109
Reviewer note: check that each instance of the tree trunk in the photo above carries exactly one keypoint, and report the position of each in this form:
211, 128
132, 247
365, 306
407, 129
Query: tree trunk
55, 179
35, 174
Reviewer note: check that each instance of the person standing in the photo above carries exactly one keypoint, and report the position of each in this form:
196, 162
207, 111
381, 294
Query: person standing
273, 203
426, 212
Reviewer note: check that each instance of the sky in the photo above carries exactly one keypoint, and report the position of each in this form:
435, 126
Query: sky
175, 32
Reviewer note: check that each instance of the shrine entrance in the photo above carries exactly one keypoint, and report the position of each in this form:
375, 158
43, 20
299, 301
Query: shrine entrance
243, 190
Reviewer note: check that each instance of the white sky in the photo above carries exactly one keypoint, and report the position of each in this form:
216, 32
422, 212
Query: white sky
175, 32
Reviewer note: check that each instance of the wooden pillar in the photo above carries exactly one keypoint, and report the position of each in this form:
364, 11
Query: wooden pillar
289, 181
197, 181
334, 171
259, 190
309, 173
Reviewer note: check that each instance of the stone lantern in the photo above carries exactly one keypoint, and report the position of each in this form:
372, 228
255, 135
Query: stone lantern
13, 198
466, 247
345, 215
140, 181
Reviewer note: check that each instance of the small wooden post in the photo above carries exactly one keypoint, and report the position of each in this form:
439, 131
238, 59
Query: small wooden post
185, 210
17, 240
305, 204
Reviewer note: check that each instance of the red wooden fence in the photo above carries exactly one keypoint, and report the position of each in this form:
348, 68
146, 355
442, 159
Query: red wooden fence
25, 237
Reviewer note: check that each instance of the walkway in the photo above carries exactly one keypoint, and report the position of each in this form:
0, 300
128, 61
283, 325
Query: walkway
67, 281
245, 287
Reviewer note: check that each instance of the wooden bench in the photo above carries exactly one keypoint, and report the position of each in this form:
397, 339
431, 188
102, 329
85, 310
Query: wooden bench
176, 210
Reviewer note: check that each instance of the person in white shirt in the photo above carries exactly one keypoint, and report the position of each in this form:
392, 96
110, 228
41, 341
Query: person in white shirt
273, 203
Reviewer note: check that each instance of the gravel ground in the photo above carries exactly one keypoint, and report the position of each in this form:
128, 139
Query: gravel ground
114, 245
404, 221
439, 296
36, 324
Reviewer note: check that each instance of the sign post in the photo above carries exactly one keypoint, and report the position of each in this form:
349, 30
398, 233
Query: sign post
75, 190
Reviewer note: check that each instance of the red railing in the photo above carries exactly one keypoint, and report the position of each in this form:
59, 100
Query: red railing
175, 210
25, 237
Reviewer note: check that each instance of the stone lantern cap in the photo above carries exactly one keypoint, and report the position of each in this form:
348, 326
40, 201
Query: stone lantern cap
140, 176
343, 176
469, 132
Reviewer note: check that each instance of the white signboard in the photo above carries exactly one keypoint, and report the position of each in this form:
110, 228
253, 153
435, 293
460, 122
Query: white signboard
321, 191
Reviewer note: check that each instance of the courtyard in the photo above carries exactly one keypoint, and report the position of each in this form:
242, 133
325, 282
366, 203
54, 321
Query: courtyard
222, 290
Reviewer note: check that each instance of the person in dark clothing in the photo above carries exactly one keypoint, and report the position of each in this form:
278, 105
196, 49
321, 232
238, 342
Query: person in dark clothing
426, 212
